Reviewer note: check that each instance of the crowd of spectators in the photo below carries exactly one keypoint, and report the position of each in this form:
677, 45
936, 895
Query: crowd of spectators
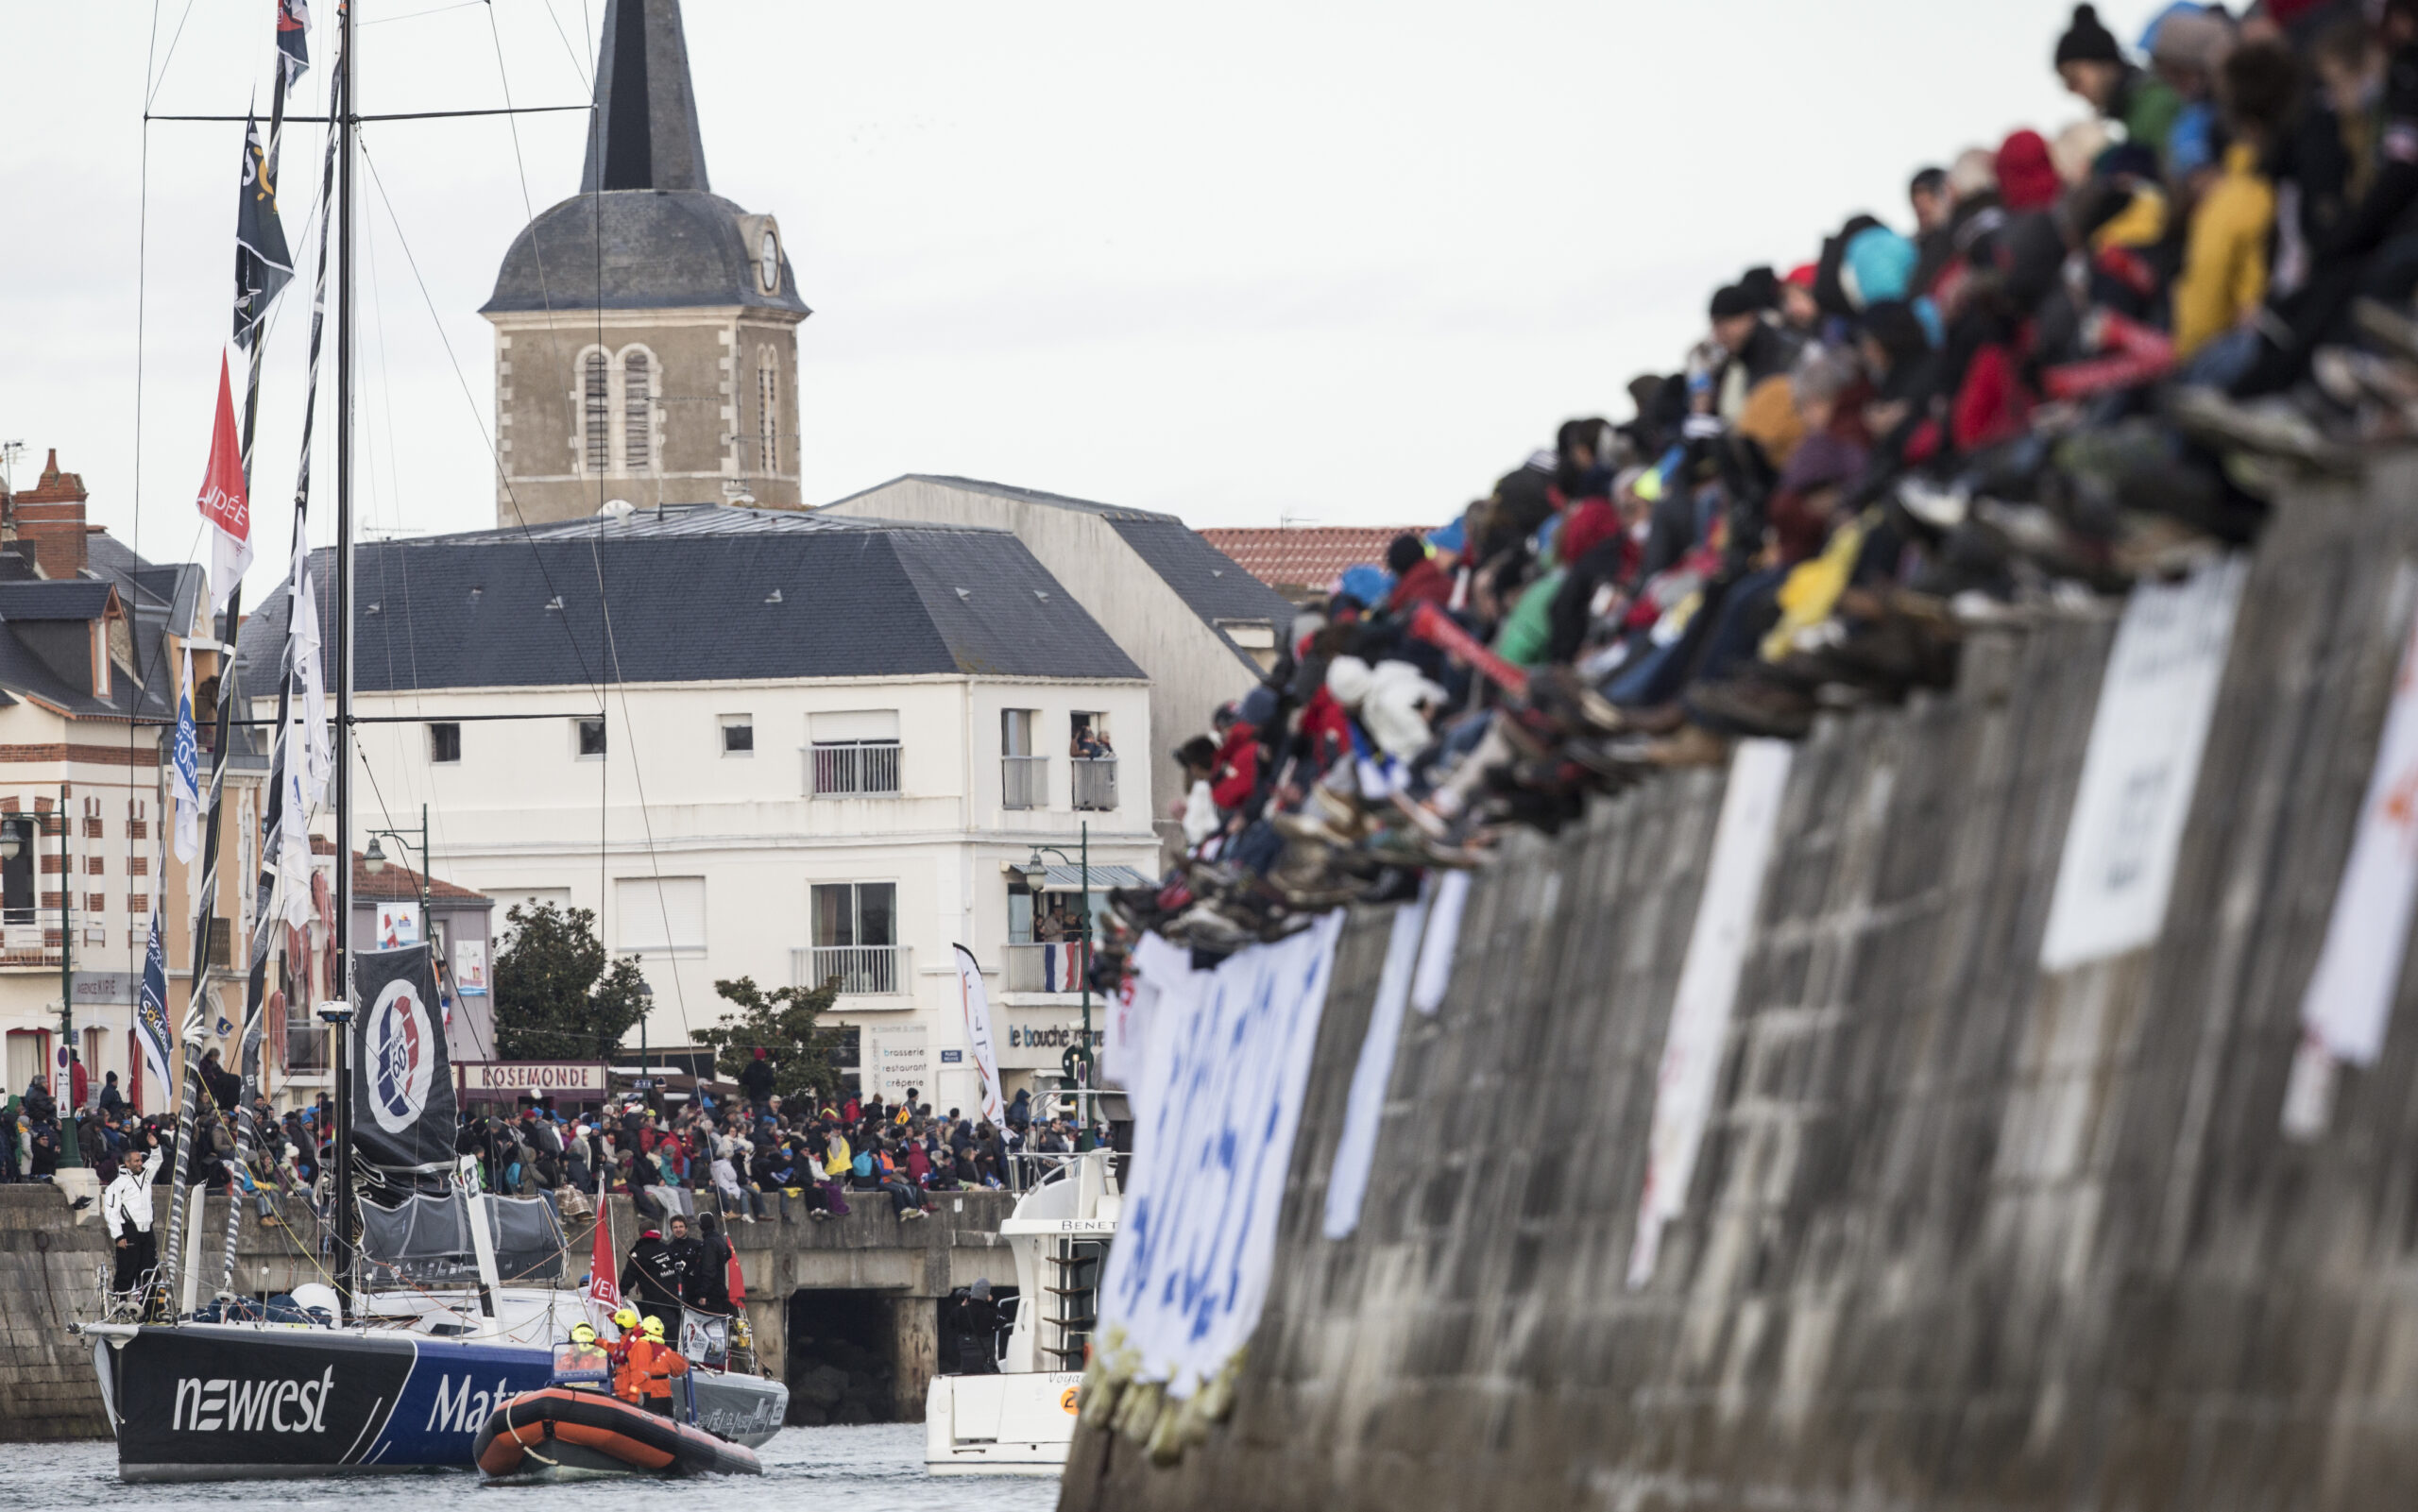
2076, 360
749, 1158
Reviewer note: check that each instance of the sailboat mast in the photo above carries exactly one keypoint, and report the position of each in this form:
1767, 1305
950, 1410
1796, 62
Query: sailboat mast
345, 112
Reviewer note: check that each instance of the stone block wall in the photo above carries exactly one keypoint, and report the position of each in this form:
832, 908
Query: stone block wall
1964, 1236
49, 1271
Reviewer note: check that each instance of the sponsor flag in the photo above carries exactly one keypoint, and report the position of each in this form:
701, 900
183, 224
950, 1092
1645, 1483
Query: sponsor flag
294, 38
223, 501
151, 1005
263, 264
976, 1005
604, 1292
403, 1083
185, 778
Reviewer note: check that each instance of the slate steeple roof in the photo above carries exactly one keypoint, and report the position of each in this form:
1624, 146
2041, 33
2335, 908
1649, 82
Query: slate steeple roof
645, 231
644, 132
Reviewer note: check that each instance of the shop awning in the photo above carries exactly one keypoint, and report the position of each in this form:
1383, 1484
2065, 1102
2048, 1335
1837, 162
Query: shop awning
1103, 878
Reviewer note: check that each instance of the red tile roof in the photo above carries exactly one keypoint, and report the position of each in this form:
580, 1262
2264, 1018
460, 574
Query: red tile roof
393, 881
1306, 556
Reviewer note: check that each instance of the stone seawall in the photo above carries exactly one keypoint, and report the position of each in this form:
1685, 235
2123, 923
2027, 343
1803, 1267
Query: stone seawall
1962, 1234
48, 1279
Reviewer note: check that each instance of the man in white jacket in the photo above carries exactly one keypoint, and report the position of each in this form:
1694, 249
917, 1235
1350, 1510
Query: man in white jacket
125, 1207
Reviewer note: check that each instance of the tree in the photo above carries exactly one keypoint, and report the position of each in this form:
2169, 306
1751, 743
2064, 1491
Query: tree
783, 1024
553, 996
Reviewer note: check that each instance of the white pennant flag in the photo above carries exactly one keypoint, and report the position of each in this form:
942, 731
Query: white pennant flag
308, 760
976, 1004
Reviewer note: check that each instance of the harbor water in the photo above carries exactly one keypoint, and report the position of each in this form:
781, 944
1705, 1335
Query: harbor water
877, 1468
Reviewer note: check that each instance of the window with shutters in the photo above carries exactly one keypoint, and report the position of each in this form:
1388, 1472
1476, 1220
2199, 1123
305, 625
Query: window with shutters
597, 403
222, 937
637, 410
656, 916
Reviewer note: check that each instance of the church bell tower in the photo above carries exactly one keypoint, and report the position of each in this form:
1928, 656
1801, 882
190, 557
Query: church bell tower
646, 327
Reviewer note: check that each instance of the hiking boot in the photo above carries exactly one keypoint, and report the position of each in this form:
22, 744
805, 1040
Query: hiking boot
2352, 378
2272, 426
1752, 705
2389, 328
1692, 746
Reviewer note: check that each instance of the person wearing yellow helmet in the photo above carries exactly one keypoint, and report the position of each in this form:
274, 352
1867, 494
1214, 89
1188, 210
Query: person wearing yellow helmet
653, 1364
582, 1333
625, 1318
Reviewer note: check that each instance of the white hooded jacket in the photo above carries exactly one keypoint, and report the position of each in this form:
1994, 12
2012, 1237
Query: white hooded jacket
125, 1207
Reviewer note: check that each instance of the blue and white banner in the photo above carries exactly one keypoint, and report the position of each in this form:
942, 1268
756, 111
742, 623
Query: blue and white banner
1228, 1065
151, 1008
185, 776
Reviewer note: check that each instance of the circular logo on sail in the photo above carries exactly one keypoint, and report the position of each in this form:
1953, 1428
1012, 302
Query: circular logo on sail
401, 1049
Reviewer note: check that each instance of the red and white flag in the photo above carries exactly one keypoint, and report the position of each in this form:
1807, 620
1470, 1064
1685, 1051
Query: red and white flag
604, 1292
223, 501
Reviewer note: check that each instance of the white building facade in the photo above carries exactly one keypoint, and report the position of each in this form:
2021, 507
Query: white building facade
784, 808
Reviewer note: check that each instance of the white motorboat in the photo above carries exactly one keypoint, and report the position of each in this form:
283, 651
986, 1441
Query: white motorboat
1021, 1421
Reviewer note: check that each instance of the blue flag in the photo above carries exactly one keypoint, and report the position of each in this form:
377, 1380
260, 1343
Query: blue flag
294, 37
185, 780
151, 1008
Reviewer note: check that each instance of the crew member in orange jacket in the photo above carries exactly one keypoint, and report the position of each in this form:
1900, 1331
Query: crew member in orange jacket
653, 1363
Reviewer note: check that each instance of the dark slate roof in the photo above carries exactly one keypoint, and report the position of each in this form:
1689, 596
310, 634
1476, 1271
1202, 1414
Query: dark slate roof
793, 598
1209, 582
61, 599
660, 249
643, 134
155, 597
675, 520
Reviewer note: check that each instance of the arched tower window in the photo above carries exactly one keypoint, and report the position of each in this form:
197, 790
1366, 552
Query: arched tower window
637, 410
598, 413
768, 413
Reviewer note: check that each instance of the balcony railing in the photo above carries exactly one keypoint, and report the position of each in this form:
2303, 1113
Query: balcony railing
862, 971
1048, 966
852, 769
1095, 782
1024, 782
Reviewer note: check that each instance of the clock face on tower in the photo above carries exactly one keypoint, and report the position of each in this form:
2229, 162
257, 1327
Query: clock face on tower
768, 267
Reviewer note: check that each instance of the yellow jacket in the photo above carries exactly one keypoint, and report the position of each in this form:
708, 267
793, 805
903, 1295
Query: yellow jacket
2225, 258
836, 1157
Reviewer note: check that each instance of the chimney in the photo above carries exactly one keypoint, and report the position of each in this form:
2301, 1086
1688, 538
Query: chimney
50, 521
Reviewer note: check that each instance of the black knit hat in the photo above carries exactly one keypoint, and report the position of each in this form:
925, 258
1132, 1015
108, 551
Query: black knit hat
2087, 41
1733, 300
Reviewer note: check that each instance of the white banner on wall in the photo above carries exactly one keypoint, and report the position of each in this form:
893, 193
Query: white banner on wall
1443, 942
1707, 990
1228, 1062
1347, 1185
2350, 996
2142, 763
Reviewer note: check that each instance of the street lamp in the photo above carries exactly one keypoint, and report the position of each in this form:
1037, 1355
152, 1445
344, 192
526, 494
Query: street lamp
373, 861
1035, 873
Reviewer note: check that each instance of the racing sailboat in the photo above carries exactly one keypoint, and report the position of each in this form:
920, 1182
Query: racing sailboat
398, 1360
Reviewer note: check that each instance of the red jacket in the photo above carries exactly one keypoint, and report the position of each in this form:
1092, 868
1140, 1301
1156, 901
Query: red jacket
1425, 582
1235, 771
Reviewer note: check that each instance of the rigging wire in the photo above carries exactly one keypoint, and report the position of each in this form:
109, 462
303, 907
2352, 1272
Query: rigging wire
134, 535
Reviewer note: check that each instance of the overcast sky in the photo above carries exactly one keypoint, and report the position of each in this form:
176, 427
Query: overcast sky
1341, 263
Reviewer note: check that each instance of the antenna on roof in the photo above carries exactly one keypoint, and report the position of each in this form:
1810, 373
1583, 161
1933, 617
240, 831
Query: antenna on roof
1289, 521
